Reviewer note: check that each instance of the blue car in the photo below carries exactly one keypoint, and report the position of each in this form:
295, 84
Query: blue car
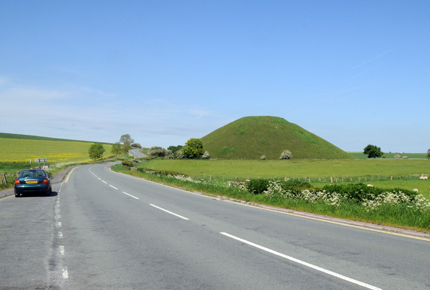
33, 181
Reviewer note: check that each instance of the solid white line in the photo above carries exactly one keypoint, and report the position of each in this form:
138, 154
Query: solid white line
169, 212
130, 195
365, 285
113, 187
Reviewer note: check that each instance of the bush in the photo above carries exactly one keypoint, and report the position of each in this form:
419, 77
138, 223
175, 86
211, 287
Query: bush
286, 155
193, 149
263, 157
397, 156
206, 155
127, 163
295, 186
257, 186
160, 172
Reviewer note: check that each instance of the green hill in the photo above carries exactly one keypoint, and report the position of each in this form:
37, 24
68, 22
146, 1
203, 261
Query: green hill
251, 137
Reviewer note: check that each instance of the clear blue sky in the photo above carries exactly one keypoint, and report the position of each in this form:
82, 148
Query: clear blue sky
352, 72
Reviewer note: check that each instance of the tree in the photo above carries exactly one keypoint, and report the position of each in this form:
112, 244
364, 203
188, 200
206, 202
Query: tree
174, 149
125, 142
96, 151
428, 153
193, 149
286, 155
126, 138
116, 149
157, 151
373, 151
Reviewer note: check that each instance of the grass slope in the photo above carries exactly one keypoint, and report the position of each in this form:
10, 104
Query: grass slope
33, 137
251, 137
15, 149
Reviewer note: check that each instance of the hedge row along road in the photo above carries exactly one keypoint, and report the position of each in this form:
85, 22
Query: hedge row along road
105, 230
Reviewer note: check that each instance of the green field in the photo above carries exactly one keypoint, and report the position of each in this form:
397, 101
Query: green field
370, 169
361, 155
15, 149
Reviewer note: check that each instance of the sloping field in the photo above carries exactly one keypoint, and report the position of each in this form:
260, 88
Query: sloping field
23, 149
252, 137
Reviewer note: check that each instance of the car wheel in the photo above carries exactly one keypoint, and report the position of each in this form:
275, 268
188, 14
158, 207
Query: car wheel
49, 192
16, 194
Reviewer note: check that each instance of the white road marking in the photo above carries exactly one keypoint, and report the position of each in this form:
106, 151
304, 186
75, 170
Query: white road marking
62, 250
365, 285
169, 212
104, 181
130, 195
113, 187
65, 273
59, 225
60, 235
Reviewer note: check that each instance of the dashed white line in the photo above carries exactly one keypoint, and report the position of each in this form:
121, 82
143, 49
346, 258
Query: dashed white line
165, 210
113, 187
65, 273
365, 285
62, 251
59, 225
104, 181
130, 195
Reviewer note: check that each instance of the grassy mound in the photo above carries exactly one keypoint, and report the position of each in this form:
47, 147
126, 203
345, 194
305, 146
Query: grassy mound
252, 137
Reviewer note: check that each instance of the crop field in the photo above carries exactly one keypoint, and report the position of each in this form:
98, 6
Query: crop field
20, 150
370, 170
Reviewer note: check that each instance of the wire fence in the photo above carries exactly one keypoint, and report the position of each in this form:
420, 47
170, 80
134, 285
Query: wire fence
327, 179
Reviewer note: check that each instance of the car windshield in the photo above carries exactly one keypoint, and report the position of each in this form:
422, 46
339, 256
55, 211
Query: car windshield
32, 173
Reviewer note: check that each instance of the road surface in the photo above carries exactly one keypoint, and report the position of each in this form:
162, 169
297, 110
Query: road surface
105, 230
137, 153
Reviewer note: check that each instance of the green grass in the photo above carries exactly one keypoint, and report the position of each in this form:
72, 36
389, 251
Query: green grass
391, 215
33, 137
242, 169
251, 137
361, 155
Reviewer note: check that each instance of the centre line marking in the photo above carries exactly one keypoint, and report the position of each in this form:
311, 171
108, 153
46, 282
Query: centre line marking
104, 181
165, 210
62, 250
113, 187
365, 285
130, 195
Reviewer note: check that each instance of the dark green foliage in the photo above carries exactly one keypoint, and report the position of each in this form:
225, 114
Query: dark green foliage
15, 166
174, 148
128, 163
193, 149
360, 191
136, 145
157, 151
257, 186
295, 186
373, 151
428, 153
251, 137
160, 172
96, 151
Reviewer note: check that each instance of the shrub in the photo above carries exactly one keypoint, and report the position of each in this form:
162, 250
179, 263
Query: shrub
263, 157
157, 151
206, 155
397, 156
405, 157
127, 163
96, 151
160, 172
257, 186
193, 149
180, 154
286, 155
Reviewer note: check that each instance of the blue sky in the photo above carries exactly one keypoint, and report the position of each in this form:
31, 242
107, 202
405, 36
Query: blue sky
352, 72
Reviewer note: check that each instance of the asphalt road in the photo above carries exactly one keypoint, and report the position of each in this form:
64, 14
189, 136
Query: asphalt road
104, 230
137, 153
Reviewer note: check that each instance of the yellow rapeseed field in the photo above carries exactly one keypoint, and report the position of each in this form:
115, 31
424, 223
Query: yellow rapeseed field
14, 150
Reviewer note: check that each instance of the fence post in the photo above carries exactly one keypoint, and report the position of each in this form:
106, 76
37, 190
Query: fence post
331, 179
17, 174
3, 177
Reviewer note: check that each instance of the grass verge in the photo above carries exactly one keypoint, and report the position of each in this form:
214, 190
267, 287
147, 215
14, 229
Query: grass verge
390, 215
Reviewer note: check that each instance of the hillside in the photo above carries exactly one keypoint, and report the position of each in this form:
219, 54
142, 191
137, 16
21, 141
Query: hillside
18, 148
33, 137
251, 137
